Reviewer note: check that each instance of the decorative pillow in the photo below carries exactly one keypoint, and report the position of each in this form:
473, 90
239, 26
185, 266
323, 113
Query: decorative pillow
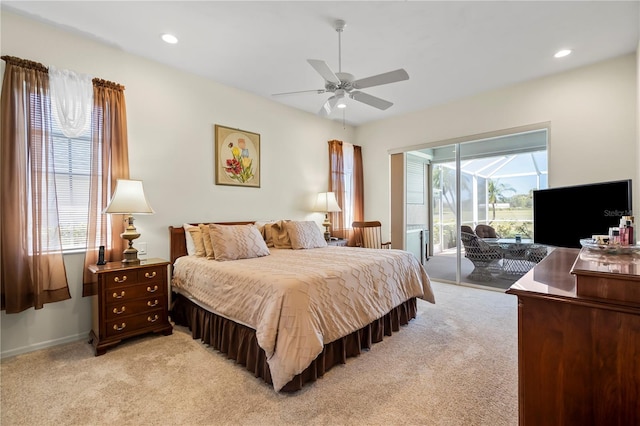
231, 242
276, 234
305, 235
265, 229
191, 248
193, 234
206, 239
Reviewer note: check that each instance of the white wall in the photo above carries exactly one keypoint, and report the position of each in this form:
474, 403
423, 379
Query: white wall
592, 112
171, 116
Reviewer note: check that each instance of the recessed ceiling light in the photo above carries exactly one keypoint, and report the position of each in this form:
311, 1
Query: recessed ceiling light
169, 38
562, 53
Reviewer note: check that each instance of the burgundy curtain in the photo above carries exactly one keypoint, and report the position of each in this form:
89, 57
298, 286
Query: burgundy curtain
337, 179
31, 262
109, 162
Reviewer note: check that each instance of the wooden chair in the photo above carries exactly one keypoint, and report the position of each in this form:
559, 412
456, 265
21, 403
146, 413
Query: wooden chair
369, 235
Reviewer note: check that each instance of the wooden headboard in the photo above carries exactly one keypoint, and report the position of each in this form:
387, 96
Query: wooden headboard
178, 242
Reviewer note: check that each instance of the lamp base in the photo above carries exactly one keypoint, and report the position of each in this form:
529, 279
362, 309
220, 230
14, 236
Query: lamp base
327, 225
130, 254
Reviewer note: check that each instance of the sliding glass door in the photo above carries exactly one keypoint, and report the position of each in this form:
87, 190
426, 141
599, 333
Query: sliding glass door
478, 182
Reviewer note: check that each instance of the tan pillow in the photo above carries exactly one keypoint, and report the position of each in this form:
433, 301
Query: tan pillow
231, 242
206, 239
305, 235
196, 236
278, 235
265, 229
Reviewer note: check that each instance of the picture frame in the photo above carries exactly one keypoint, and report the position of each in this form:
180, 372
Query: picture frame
237, 157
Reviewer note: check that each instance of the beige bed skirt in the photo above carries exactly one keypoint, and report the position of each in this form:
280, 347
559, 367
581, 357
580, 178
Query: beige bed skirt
239, 342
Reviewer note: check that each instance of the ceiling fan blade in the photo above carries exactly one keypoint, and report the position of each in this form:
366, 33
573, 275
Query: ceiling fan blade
323, 69
318, 91
329, 106
377, 80
370, 100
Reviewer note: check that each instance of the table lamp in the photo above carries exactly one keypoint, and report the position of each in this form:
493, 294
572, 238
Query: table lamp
326, 202
129, 198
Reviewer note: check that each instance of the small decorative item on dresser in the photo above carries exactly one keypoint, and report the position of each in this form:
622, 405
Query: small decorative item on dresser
132, 299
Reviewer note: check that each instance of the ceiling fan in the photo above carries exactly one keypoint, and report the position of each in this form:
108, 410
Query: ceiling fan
344, 85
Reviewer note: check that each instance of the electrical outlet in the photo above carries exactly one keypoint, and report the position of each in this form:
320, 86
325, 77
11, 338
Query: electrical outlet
142, 249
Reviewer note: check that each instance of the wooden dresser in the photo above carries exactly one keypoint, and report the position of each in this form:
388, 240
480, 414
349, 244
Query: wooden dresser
131, 300
579, 340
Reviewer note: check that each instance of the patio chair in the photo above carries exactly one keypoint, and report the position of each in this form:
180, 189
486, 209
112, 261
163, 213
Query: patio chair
467, 229
536, 252
484, 257
486, 231
369, 235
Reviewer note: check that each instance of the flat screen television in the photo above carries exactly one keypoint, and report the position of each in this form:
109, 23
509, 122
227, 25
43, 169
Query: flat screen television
562, 216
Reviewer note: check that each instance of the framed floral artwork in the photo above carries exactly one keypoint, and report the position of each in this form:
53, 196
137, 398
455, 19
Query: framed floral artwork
237, 157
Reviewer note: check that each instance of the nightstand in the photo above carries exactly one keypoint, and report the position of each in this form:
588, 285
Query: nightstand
132, 299
337, 243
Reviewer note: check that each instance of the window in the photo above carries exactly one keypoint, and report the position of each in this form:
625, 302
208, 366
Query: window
72, 166
347, 181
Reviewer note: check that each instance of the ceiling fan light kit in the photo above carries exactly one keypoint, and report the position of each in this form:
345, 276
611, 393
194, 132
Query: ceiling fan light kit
344, 85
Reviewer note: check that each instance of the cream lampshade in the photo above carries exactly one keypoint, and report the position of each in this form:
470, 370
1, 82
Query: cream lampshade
326, 202
129, 198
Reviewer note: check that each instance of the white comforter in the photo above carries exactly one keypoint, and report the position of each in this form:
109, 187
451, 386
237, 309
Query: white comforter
299, 300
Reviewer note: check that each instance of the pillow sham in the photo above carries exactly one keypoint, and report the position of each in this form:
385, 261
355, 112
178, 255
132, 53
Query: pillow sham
193, 237
206, 239
232, 242
305, 235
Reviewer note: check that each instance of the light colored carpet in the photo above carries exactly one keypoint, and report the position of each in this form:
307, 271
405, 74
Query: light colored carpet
455, 364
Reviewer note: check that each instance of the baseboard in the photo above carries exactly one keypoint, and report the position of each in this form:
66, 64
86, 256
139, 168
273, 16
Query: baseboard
43, 345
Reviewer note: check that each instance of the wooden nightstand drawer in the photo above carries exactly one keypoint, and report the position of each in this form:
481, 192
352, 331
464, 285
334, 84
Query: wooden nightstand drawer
152, 274
134, 307
133, 324
120, 278
128, 277
132, 299
134, 291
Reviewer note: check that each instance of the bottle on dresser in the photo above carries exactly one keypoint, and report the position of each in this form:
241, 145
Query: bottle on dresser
626, 230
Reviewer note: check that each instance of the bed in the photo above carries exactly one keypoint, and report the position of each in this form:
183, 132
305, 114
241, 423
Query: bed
290, 313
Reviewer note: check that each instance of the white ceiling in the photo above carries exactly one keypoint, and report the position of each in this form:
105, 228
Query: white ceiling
451, 49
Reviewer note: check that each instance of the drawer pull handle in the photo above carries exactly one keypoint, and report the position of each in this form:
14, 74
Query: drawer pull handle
115, 295
154, 319
150, 275
152, 290
152, 304
118, 280
116, 328
118, 312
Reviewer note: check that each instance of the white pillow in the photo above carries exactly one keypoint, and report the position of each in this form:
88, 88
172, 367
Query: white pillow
305, 235
231, 242
194, 248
